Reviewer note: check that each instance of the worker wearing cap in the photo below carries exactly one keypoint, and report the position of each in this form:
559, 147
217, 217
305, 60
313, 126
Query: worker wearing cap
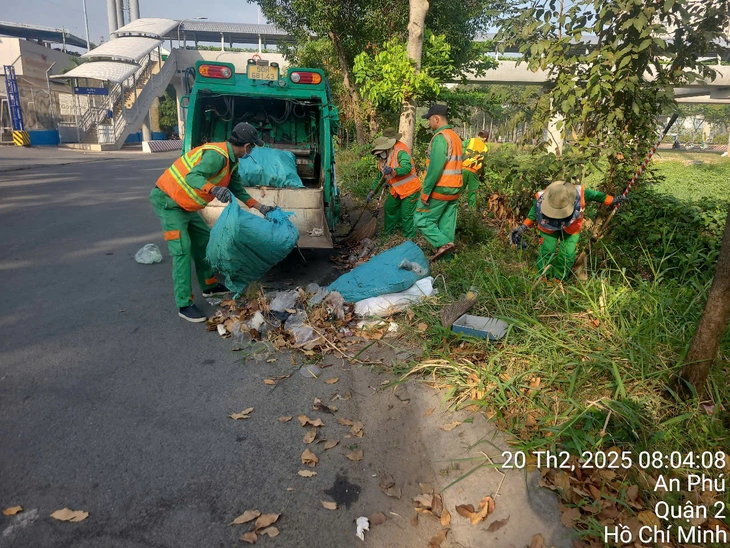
436, 211
475, 150
206, 172
558, 213
397, 169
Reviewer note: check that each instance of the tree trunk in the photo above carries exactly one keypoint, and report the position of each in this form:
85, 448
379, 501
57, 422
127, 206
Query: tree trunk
351, 89
416, 23
706, 341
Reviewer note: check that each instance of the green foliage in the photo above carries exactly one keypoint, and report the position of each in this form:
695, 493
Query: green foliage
602, 89
389, 77
168, 111
356, 170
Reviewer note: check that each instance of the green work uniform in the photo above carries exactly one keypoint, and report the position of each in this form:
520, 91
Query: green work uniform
194, 233
558, 250
471, 179
436, 219
399, 211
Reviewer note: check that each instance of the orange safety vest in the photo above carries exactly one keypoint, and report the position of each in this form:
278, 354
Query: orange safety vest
172, 182
451, 175
407, 184
574, 224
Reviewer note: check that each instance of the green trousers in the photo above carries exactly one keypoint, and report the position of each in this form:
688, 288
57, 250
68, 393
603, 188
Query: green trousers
437, 221
187, 238
471, 183
557, 254
399, 212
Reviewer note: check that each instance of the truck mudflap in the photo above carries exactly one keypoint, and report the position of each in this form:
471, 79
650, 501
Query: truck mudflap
307, 204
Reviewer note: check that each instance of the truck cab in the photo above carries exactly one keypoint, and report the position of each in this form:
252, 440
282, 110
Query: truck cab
293, 113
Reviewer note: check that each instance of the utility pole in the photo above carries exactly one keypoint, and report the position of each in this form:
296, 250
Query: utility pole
86, 26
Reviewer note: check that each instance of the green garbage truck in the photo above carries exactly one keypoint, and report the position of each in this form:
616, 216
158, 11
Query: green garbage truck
293, 113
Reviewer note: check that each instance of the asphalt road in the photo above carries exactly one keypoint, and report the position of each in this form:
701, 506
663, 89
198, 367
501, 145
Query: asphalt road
111, 404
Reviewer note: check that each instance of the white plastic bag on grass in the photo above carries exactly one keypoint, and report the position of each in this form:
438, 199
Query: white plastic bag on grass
390, 303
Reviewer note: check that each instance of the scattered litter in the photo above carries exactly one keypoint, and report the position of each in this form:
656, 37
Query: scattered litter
70, 515
316, 232
335, 304
295, 320
311, 371
362, 525
391, 303
284, 300
222, 330
257, 321
329, 505
479, 326
214, 301
149, 254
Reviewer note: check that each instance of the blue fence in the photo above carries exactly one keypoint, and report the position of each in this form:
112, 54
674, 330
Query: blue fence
44, 137
137, 137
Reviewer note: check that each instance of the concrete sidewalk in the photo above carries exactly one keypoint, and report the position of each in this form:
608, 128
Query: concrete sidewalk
14, 158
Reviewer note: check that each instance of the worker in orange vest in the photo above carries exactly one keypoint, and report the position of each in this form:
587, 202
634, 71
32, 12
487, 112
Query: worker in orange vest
206, 172
475, 150
397, 168
436, 212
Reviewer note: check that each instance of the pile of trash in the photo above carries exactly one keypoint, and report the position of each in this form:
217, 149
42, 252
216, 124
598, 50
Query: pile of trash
323, 320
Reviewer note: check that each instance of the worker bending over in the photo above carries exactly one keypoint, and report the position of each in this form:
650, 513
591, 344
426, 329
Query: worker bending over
399, 172
206, 172
558, 213
475, 150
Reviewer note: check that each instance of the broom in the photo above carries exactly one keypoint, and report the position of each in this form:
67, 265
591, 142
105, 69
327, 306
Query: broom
367, 230
450, 313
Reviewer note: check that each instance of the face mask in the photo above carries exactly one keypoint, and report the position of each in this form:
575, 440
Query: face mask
248, 153
383, 155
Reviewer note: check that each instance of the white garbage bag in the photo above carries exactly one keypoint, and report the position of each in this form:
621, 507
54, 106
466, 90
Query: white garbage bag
390, 303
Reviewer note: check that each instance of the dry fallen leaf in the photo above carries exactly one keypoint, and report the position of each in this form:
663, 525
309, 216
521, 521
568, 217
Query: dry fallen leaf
309, 458
319, 405
445, 518
356, 429
496, 525
304, 420
568, 516
70, 515
465, 510
450, 426
284, 419
329, 505
333, 380
329, 444
429, 412
426, 488
248, 515
486, 507
437, 507
537, 541
307, 473
438, 539
271, 360
355, 455
270, 382
345, 422
249, 537
12, 510
414, 520
648, 518
310, 435
421, 327
271, 531
265, 520
242, 415
423, 501
378, 518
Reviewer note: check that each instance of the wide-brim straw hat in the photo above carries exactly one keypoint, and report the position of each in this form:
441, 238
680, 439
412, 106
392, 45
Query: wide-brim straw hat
558, 201
392, 133
383, 143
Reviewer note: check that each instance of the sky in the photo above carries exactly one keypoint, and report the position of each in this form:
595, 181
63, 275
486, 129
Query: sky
69, 14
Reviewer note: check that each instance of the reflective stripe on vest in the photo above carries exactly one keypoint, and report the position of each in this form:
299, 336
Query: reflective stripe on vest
451, 175
407, 184
571, 226
474, 154
172, 182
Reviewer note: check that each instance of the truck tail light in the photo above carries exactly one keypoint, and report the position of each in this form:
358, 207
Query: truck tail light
305, 77
214, 71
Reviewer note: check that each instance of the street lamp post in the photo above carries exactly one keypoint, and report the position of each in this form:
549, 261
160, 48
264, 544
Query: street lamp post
181, 23
86, 26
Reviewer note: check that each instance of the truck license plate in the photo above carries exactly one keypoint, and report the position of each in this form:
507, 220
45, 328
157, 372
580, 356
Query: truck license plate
258, 72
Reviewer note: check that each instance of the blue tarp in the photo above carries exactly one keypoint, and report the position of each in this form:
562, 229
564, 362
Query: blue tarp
244, 246
381, 275
270, 167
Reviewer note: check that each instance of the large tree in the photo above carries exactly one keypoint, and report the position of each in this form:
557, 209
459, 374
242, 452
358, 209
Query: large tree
613, 66
713, 323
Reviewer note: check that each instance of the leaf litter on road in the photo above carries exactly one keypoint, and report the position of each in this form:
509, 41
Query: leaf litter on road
450, 426
310, 435
329, 505
333, 380
388, 486
242, 415
329, 444
248, 515
12, 510
307, 473
309, 458
67, 514
285, 419
304, 420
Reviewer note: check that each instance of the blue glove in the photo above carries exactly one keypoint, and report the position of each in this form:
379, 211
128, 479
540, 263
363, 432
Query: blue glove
222, 193
388, 171
619, 200
265, 209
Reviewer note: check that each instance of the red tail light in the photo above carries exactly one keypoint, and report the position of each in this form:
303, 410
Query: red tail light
214, 71
305, 77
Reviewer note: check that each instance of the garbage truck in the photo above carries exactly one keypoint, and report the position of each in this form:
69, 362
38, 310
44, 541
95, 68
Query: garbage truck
293, 113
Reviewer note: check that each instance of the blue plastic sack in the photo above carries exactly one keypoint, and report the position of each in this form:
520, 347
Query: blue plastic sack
244, 246
381, 274
270, 167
